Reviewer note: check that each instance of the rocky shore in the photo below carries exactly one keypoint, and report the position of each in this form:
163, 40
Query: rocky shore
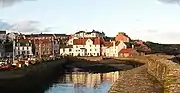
102, 66
136, 80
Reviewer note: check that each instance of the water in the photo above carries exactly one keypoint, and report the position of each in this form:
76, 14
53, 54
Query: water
84, 82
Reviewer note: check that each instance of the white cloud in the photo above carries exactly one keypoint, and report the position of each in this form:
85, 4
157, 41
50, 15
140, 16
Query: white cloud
27, 26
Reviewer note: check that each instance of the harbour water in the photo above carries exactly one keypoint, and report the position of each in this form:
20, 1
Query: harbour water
84, 82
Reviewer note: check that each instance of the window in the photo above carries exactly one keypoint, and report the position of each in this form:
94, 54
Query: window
90, 45
98, 54
18, 52
27, 48
22, 48
76, 46
63, 50
95, 49
90, 49
70, 49
27, 52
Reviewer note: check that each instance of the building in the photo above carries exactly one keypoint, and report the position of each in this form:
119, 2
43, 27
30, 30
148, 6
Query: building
121, 36
3, 35
43, 47
83, 47
48, 44
87, 47
94, 33
12, 36
61, 36
39, 36
112, 48
56, 47
140, 46
66, 50
2, 50
129, 52
23, 48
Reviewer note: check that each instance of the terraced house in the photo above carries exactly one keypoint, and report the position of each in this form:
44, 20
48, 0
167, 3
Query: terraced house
93, 33
84, 47
23, 48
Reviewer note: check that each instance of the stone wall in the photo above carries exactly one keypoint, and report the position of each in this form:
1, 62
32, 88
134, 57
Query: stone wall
91, 58
164, 70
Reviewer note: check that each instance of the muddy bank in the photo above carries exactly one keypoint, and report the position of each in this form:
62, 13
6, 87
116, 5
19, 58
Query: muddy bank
103, 66
136, 80
28, 79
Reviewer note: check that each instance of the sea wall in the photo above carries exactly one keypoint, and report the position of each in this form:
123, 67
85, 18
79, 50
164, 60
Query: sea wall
164, 70
91, 58
28, 79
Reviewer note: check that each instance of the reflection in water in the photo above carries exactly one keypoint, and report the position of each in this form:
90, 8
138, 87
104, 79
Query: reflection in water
84, 82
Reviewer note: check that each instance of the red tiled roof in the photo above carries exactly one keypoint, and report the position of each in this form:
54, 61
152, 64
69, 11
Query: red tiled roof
82, 41
108, 44
24, 40
128, 50
42, 41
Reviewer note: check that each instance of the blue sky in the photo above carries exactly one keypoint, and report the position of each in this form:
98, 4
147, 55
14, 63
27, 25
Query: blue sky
149, 20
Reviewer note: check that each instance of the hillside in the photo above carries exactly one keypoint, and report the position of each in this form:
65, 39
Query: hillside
170, 49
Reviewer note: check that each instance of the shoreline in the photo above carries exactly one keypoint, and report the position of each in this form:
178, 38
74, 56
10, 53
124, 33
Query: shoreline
31, 78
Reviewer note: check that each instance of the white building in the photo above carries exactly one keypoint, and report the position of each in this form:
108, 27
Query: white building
94, 33
83, 47
23, 49
66, 50
12, 35
87, 47
70, 41
112, 48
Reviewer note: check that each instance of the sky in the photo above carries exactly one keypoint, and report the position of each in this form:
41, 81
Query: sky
148, 20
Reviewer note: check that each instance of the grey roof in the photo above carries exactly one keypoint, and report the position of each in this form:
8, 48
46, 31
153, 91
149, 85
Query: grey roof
66, 46
128, 44
60, 35
39, 35
80, 32
109, 38
2, 32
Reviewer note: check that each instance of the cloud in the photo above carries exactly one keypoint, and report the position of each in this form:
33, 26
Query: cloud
4, 25
8, 3
25, 27
170, 1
